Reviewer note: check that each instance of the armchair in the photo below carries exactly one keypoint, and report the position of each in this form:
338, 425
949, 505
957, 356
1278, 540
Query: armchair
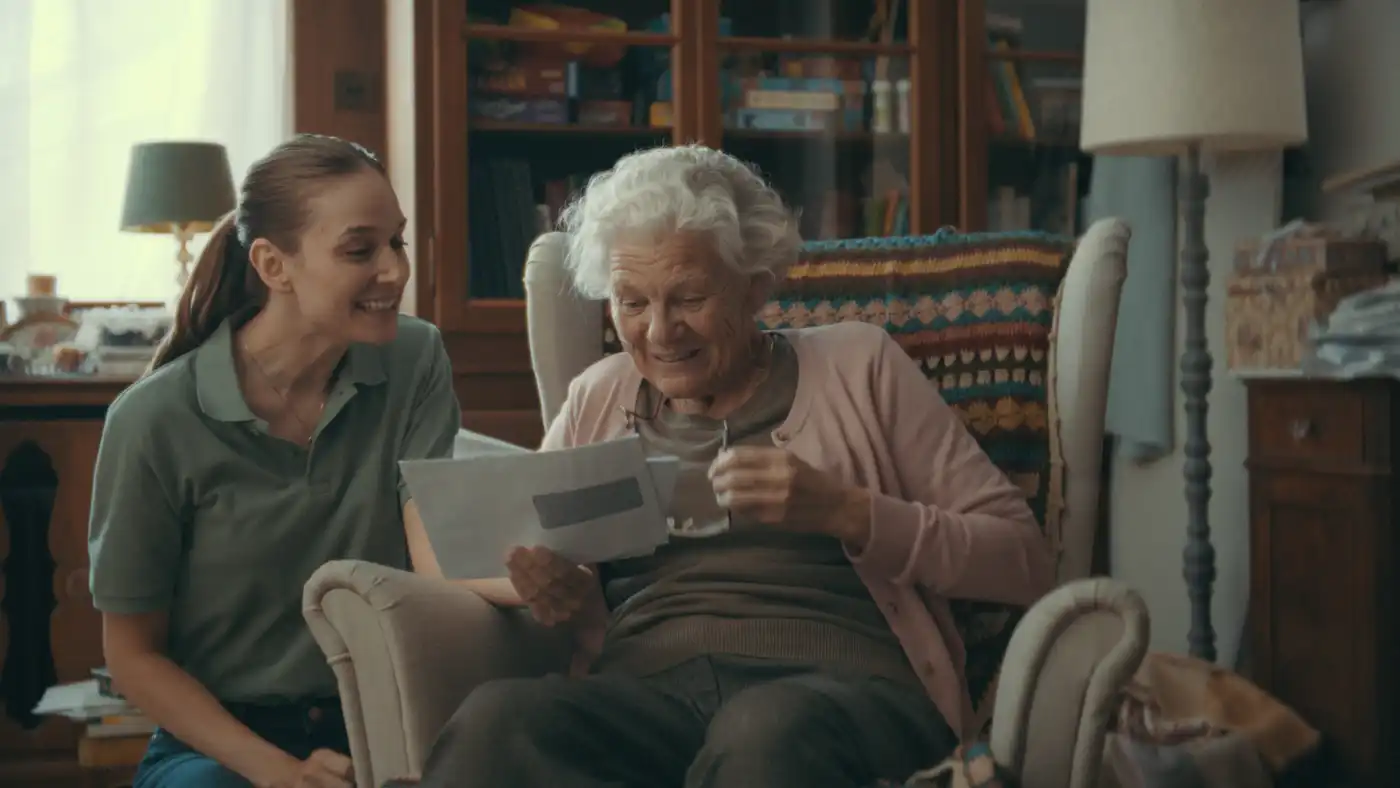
407, 649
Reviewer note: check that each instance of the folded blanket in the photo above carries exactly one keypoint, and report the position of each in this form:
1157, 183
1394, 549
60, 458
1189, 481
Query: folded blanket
1174, 699
1228, 761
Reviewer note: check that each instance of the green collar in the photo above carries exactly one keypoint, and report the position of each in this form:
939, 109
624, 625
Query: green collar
216, 379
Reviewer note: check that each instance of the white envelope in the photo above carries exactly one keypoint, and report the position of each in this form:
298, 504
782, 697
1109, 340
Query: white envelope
590, 504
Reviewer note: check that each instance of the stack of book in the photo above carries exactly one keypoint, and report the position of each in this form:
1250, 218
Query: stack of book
94, 702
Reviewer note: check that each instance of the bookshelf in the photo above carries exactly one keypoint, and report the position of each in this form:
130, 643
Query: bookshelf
848, 106
874, 117
1019, 89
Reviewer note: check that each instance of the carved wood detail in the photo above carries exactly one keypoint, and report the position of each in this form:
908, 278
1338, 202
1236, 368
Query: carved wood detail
28, 486
50, 453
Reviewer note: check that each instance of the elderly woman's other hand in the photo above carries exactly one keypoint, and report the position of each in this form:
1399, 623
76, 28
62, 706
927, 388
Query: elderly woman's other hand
774, 487
556, 591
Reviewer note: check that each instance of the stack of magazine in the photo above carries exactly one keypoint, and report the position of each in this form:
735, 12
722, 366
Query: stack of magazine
94, 702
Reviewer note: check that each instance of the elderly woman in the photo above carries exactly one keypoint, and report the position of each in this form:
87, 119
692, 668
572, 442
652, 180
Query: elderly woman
796, 630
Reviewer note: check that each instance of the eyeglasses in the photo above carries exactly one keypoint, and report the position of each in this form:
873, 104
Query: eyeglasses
633, 421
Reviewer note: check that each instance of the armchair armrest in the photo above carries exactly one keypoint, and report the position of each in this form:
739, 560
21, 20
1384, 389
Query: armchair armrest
407, 649
1067, 662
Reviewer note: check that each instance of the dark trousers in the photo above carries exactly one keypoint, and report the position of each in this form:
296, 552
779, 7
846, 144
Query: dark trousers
711, 722
298, 729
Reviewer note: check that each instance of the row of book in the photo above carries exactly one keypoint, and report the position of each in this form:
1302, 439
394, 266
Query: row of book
1039, 109
96, 704
1052, 203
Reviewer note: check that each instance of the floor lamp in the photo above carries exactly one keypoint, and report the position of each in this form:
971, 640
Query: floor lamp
1186, 78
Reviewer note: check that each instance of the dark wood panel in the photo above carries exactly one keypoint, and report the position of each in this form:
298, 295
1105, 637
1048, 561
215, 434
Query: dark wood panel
496, 392
1323, 588
338, 70
32, 393
488, 354
50, 633
521, 427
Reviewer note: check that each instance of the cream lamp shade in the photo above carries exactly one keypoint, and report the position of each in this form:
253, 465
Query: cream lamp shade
1160, 75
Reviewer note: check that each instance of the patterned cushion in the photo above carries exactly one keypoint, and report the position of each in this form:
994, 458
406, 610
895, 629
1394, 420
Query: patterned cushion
976, 312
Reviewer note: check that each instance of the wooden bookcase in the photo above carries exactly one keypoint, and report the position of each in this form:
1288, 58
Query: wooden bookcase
704, 60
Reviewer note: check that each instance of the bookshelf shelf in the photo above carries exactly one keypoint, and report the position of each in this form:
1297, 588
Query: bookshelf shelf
809, 46
1037, 56
862, 137
1044, 144
488, 126
478, 31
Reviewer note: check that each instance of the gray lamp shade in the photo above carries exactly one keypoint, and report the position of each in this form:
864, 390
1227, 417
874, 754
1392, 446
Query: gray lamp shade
177, 184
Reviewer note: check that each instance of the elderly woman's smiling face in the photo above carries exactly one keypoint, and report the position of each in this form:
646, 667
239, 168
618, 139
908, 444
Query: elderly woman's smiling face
685, 317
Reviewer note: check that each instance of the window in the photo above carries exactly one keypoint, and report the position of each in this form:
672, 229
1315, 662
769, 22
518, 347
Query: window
80, 82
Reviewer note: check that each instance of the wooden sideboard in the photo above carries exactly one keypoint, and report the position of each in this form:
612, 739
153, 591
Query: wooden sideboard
49, 431
1324, 511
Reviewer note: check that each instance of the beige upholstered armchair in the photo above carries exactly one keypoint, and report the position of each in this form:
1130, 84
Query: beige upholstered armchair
407, 649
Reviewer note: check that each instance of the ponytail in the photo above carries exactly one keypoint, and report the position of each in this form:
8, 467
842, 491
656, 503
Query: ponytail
223, 285
272, 204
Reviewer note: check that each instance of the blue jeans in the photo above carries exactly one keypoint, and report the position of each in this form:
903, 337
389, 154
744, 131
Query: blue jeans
296, 728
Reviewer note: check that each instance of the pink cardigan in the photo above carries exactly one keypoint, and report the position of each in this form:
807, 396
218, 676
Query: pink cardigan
946, 523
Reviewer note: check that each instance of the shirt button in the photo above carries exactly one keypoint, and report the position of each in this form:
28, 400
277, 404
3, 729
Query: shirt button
314, 714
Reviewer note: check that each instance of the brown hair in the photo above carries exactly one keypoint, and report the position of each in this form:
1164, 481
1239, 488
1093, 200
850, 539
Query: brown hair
273, 204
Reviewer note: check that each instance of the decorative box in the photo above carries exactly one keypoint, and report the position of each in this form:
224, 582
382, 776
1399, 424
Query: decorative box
1310, 247
1285, 283
1268, 315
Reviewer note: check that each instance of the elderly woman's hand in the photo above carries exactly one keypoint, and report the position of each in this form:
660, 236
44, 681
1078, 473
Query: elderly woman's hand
776, 488
556, 591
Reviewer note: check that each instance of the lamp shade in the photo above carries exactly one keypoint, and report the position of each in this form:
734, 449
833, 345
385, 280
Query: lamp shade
1162, 74
177, 184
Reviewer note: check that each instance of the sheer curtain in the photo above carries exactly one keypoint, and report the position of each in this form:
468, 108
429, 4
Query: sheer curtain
80, 82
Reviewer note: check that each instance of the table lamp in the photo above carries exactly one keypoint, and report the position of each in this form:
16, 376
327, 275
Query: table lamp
1186, 77
181, 188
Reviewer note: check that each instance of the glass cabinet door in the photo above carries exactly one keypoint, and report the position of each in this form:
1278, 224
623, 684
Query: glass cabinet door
825, 98
1036, 178
553, 93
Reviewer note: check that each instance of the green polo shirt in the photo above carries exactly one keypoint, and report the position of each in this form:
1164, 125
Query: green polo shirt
199, 512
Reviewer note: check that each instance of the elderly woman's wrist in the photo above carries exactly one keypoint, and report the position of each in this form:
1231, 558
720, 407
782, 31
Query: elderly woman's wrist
851, 521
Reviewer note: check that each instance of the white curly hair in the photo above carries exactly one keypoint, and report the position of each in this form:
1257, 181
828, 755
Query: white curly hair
685, 188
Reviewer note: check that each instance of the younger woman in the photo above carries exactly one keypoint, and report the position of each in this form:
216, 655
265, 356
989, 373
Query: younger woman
264, 443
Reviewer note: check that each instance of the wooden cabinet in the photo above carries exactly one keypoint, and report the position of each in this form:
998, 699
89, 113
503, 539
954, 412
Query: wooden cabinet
49, 432
1323, 561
